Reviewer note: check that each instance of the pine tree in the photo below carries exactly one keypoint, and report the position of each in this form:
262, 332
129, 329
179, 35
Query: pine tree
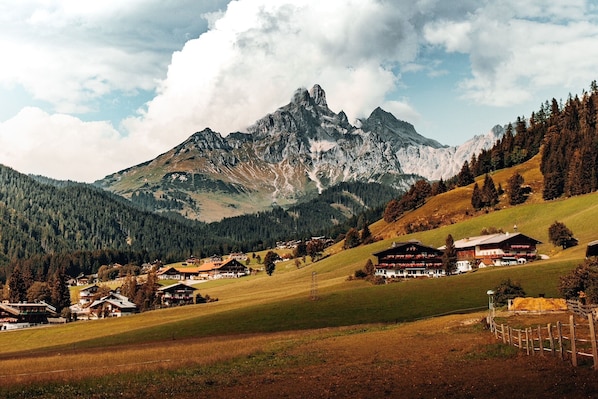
465, 177
489, 193
60, 293
514, 191
476, 198
16, 286
351, 239
449, 258
366, 234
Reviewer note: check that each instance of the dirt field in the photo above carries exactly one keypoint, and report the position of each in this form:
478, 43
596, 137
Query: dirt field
448, 357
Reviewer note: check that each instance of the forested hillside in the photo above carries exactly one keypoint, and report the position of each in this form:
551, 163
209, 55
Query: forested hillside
47, 225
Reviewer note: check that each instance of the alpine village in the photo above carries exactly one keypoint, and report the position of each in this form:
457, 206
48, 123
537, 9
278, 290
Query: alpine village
305, 256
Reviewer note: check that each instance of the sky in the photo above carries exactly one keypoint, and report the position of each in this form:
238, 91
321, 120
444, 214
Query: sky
90, 88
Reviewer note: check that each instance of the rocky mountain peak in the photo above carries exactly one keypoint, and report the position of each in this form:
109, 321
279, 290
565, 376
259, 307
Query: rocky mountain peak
318, 95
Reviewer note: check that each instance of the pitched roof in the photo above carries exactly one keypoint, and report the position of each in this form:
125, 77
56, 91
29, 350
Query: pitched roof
489, 239
174, 286
120, 301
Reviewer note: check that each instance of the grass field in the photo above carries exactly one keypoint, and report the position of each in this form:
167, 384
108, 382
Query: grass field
257, 313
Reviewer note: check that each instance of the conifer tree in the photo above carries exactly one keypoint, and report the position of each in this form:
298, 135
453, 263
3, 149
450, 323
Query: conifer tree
449, 258
366, 234
514, 190
16, 286
465, 177
351, 239
476, 198
61, 295
489, 193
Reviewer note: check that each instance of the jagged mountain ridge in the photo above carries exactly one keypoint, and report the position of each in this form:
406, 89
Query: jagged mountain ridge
295, 152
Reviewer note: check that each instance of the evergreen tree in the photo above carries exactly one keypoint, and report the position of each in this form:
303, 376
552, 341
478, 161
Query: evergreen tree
476, 198
465, 177
17, 292
449, 258
366, 234
60, 293
269, 262
351, 239
514, 190
489, 193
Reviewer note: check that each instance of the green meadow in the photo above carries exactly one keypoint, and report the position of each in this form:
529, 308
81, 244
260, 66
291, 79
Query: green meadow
283, 302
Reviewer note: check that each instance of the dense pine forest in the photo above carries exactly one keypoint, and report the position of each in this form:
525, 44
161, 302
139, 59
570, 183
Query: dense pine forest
48, 225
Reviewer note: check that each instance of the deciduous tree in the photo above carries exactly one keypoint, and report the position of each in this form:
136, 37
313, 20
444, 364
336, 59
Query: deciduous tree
269, 262
560, 235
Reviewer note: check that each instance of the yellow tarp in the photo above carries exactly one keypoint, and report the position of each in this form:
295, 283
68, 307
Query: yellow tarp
539, 304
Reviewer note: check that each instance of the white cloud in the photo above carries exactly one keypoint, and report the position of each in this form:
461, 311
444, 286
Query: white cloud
70, 53
252, 56
517, 49
259, 52
62, 146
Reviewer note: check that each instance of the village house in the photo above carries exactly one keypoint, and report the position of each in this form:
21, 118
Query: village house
25, 313
112, 305
501, 249
230, 268
409, 260
86, 294
177, 294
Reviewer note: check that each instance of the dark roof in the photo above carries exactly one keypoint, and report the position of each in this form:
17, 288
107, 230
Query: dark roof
402, 246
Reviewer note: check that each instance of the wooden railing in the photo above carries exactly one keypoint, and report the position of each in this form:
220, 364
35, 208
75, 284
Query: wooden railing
579, 308
567, 341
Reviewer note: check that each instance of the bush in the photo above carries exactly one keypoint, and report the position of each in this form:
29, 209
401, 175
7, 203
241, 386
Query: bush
506, 290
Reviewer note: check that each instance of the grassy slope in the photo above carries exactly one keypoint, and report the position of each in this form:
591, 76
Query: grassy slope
281, 302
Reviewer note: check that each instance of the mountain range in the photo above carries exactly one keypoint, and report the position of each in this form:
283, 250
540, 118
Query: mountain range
286, 157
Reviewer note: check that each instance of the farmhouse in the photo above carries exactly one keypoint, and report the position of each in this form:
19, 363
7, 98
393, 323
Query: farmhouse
410, 259
112, 305
176, 294
499, 249
230, 268
86, 294
178, 273
33, 313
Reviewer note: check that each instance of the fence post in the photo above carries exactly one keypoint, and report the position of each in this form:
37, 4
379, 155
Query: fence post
519, 337
559, 331
540, 342
593, 338
550, 338
573, 346
502, 331
510, 336
526, 341
531, 340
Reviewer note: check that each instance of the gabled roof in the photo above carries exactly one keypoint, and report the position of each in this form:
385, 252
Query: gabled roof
490, 239
404, 245
176, 286
209, 266
120, 301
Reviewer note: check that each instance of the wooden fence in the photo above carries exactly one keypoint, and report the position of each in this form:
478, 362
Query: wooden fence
579, 308
567, 341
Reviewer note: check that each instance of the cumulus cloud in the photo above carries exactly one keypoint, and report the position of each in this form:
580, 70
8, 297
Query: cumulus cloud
70, 53
62, 146
517, 49
258, 52
223, 64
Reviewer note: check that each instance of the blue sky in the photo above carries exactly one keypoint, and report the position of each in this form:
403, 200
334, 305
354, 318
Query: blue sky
90, 88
